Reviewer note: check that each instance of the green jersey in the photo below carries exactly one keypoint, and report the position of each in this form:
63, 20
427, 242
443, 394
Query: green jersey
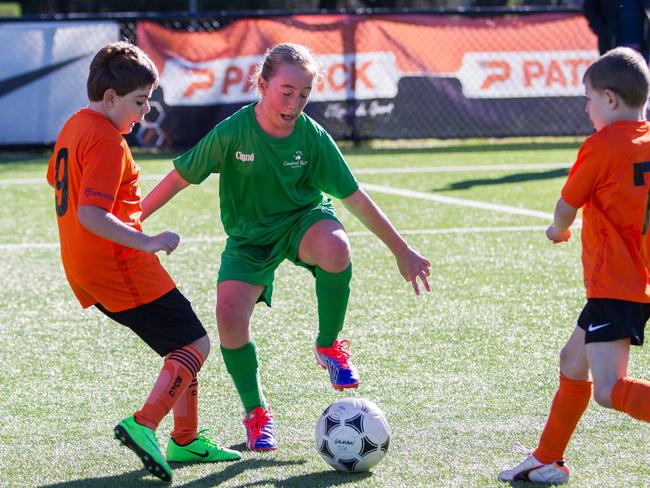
267, 183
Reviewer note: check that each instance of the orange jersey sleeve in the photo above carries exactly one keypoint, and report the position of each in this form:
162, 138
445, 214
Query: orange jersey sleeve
102, 175
609, 182
92, 165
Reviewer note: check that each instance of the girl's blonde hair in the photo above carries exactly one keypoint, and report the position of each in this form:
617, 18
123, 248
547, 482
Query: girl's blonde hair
289, 53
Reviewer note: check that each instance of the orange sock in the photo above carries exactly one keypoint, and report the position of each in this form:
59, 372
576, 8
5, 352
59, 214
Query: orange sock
175, 377
632, 396
569, 404
186, 415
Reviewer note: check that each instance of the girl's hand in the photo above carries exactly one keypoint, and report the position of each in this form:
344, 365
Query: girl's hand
413, 266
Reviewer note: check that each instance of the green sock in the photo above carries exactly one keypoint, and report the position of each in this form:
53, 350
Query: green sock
241, 364
332, 293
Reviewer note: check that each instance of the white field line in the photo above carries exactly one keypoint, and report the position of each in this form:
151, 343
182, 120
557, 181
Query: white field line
362, 233
461, 168
457, 201
366, 171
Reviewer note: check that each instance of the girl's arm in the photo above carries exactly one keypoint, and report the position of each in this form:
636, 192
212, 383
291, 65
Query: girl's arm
164, 191
410, 263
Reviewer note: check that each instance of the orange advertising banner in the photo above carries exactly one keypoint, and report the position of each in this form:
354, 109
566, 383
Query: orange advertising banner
377, 67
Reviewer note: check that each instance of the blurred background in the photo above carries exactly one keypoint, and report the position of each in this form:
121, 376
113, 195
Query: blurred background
35, 7
409, 69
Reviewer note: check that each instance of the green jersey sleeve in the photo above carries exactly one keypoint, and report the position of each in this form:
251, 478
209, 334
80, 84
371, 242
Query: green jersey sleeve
204, 158
331, 173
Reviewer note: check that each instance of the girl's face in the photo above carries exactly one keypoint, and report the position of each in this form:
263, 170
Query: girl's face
284, 96
124, 112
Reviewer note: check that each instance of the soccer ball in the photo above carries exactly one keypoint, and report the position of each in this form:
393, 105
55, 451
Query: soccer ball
352, 434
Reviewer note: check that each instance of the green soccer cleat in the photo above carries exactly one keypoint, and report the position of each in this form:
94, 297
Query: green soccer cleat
142, 441
200, 450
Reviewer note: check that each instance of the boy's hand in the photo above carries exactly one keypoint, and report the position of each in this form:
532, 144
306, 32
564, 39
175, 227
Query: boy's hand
165, 241
412, 265
553, 235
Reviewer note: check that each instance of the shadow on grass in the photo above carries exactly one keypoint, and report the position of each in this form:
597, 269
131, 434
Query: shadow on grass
527, 484
511, 178
142, 478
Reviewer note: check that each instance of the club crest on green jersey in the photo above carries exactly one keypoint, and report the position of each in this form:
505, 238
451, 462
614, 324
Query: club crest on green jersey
297, 161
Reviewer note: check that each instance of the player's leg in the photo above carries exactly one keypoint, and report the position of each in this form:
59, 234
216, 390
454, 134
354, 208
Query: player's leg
235, 303
170, 327
546, 462
608, 346
612, 387
570, 401
186, 443
326, 247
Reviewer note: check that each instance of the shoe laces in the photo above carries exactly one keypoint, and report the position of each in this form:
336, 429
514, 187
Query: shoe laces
337, 351
204, 439
258, 420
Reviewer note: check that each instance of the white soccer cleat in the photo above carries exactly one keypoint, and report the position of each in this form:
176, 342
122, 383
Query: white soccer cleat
531, 469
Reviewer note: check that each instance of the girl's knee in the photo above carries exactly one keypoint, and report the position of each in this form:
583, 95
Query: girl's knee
336, 256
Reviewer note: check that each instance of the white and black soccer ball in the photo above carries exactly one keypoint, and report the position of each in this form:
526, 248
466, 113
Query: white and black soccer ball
352, 434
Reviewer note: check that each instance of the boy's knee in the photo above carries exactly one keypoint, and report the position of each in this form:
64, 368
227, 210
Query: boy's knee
603, 395
573, 365
202, 345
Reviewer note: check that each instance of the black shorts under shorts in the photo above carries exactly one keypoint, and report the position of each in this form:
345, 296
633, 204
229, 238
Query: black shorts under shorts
166, 324
607, 319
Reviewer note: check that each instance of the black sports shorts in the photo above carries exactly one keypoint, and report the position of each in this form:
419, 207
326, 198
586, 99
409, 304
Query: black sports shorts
607, 319
166, 324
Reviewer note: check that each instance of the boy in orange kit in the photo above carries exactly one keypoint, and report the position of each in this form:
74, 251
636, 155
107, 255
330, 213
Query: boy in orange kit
609, 182
110, 263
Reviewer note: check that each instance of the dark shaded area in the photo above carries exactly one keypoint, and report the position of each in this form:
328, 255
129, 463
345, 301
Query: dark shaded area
511, 178
36, 7
222, 473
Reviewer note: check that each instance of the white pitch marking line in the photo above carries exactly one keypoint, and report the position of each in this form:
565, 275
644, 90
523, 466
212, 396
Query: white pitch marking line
367, 171
460, 168
359, 233
457, 201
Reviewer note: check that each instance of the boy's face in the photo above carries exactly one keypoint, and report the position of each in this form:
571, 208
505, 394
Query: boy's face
601, 106
124, 112
285, 95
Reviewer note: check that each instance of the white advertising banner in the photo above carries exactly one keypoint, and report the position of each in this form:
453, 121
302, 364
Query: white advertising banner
43, 73
227, 80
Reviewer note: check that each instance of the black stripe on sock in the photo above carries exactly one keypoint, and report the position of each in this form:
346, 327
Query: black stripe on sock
186, 359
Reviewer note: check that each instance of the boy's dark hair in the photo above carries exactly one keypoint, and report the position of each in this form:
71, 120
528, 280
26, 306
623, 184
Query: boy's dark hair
122, 67
623, 71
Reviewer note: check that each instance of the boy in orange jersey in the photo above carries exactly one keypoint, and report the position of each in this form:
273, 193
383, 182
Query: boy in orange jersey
110, 263
609, 182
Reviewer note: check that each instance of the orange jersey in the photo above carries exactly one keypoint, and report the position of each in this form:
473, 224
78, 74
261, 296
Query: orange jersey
610, 180
92, 165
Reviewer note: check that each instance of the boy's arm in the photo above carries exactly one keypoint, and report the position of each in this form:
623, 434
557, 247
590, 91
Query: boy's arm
563, 217
410, 263
164, 191
106, 225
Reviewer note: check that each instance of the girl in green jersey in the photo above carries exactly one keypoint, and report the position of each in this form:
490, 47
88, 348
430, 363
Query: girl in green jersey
275, 165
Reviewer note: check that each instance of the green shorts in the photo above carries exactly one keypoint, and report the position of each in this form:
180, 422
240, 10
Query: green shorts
257, 264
